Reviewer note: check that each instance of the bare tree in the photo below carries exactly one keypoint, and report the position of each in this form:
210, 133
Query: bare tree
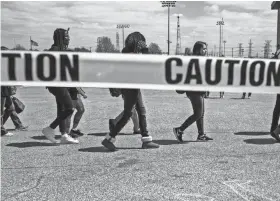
154, 49
105, 45
188, 51
19, 47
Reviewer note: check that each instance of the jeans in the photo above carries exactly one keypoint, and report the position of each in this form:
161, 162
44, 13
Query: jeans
197, 101
132, 97
14, 117
79, 106
64, 107
8, 103
276, 114
134, 118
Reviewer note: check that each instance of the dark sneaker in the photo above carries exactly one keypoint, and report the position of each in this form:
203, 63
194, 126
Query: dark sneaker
178, 134
203, 138
22, 128
76, 132
111, 124
109, 145
137, 132
275, 136
149, 145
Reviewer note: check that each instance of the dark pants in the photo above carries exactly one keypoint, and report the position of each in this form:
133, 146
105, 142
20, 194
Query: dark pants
276, 114
8, 103
64, 107
197, 101
132, 97
244, 95
14, 118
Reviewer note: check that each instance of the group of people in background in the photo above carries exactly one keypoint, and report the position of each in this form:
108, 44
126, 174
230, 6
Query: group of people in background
70, 99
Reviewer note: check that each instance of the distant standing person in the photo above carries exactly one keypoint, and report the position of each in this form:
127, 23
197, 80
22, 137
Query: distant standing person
244, 95
197, 101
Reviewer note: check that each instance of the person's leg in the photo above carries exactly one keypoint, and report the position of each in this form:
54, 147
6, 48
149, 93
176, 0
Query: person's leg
65, 108
197, 102
200, 124
130, 99
3, 102
249, 95
17, 122
147, 140
135, 121
8, 104
79, 105
243, 95
275, 114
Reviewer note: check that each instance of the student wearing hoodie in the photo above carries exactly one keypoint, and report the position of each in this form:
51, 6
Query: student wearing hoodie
65, 107
135, 43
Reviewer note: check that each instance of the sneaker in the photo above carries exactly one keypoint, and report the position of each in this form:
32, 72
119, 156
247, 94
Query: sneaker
178, 134
137, 132
22, 128
203, 138
111, 124
8, 134
149, 145
49, 133
76, 133
275, 136
109, 145
67, 139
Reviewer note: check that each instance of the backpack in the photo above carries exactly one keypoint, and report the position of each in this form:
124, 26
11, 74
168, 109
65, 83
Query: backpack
115, 92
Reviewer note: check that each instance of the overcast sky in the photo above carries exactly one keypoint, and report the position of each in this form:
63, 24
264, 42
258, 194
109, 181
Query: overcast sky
91, 19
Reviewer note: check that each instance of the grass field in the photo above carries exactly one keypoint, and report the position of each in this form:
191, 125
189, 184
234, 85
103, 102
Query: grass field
242, 163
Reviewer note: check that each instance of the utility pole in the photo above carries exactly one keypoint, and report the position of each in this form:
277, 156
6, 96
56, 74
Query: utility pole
220, 23
214, 50
232, 52
118, 41
123, 26
90, 49
250, 49
168, 4
224, 48
240, 49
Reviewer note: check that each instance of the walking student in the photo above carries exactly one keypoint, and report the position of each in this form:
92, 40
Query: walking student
134, 43
65, 107
76, 94
197, 101
134, 116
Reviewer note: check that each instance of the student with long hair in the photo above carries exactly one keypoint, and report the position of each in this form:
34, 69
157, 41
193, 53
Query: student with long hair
135, 43
197, 101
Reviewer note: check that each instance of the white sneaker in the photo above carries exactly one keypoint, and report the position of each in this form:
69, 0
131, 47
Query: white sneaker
9, 134
67, 139
50, 134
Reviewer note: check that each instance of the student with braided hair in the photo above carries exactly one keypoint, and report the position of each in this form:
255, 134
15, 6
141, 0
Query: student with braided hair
135, 43
65, 107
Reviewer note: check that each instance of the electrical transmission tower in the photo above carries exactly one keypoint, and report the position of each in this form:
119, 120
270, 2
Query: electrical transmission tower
240, 50
267, 48
250, 49
178, 44
118, 41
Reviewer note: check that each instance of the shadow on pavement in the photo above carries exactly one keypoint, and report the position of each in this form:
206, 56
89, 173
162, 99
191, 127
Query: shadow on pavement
103, 134
30, 144
238, 98
261, 141
42, 137
251, 133
103, 149
170, 142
